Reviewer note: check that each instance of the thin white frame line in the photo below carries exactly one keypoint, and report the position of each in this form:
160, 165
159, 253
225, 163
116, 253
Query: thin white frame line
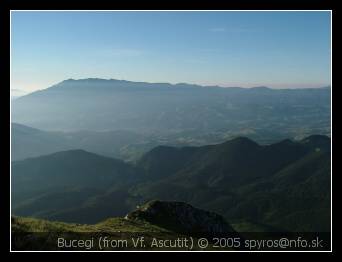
331, 136
298, 10
171, 10
10, 216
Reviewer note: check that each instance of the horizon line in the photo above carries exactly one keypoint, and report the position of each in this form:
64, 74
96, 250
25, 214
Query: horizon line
186, 83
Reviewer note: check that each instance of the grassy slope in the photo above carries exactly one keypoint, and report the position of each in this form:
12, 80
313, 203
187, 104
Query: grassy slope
37, 234
111, 225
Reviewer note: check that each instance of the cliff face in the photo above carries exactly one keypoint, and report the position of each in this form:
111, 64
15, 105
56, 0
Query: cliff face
181, 217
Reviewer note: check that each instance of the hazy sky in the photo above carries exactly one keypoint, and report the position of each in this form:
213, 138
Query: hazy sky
276, 49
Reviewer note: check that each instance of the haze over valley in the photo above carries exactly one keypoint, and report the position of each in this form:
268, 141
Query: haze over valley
124, 119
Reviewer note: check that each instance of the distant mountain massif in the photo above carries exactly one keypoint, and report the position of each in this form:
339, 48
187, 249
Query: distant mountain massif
182, 110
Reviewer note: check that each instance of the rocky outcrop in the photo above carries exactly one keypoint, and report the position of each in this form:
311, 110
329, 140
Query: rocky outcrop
181, 217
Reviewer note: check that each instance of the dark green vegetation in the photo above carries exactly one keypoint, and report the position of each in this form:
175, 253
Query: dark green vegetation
72, 186
283, 186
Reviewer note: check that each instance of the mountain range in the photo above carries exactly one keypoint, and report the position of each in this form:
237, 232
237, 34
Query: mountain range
182, 110
284, 185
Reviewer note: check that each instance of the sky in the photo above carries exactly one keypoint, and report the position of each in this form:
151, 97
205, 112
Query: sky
246, 49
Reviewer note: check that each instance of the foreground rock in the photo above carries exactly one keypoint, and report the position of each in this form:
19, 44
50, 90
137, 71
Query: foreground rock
181, 217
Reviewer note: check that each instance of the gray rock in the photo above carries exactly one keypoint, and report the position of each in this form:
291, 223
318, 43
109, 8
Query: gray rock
181, 217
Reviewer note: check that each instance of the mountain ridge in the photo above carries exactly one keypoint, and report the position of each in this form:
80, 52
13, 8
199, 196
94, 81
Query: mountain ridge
168, 110
226, 178
170, 85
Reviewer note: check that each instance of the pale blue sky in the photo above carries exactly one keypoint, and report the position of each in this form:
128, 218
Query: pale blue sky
275, 49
